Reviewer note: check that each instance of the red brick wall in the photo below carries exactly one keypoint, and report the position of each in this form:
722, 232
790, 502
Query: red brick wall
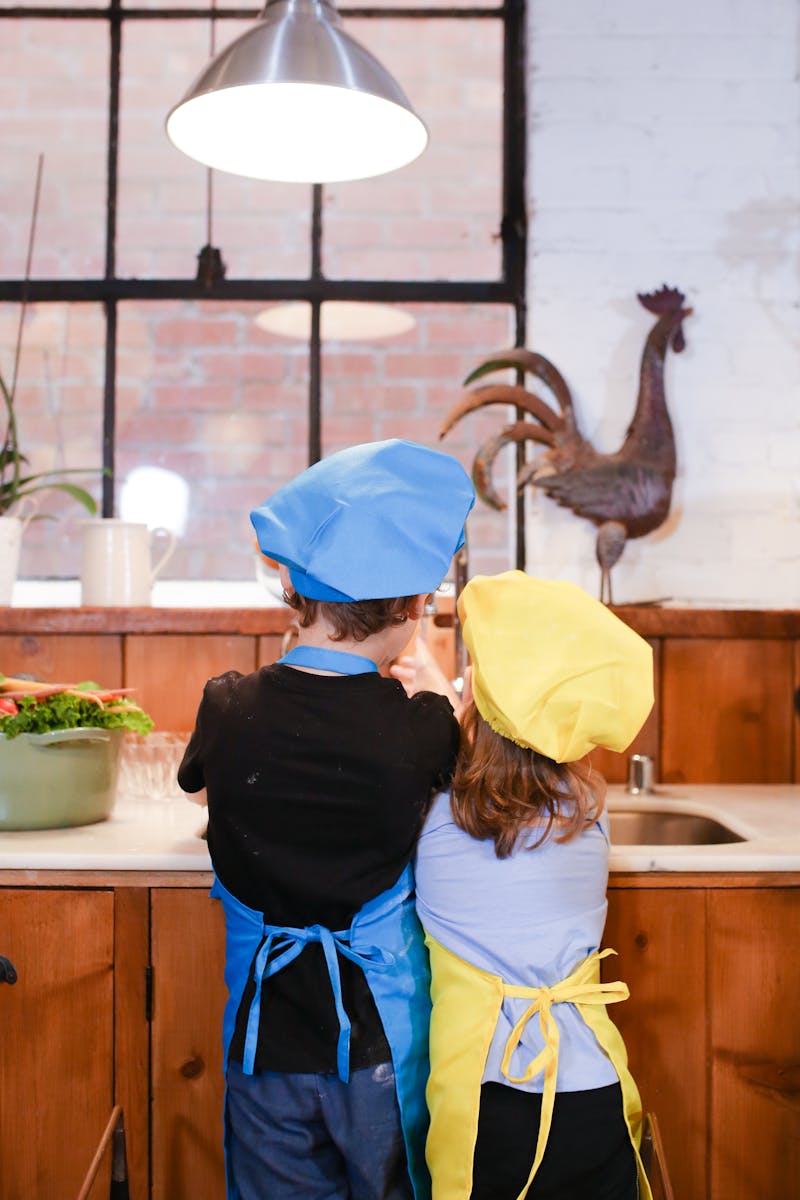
201, 390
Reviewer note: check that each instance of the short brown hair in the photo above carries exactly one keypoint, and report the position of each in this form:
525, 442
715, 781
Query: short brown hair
501, 790
356, 619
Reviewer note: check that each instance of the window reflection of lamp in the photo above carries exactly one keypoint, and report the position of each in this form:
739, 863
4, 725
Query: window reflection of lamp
340, 320
155, 497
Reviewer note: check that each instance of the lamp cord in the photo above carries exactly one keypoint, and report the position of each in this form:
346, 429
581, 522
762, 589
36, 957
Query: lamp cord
210, 267
212, 49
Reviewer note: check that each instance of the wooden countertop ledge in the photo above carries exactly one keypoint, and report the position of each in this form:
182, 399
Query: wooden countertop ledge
650, 621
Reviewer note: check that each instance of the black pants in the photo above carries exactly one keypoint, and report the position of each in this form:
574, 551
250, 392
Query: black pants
588, 1156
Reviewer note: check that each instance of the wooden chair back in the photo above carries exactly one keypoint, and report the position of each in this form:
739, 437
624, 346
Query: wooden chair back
654, 1161
114, 1133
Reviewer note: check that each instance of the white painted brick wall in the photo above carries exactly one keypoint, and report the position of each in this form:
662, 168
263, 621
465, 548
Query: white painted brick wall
664, 146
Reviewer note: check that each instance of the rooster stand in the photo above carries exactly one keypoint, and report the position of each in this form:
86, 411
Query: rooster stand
626, 494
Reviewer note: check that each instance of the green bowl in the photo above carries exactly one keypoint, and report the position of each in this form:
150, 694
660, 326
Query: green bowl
57, 779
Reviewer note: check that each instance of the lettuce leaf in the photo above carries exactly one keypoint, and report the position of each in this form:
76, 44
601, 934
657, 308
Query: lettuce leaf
64, 711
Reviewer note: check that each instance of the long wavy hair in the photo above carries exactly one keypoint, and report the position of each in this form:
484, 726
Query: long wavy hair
501, 790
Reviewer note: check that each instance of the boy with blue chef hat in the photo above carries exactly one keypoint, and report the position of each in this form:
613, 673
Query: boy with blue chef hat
319, 772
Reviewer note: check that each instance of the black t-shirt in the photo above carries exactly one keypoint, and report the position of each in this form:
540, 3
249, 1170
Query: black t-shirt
317, 789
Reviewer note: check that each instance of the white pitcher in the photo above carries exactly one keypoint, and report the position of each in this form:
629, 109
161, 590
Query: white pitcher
11, 531
116, 562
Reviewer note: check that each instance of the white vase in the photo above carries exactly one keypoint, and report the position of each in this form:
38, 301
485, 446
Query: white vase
10, 544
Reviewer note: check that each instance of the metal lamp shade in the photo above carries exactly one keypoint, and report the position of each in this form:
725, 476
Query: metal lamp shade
296, 99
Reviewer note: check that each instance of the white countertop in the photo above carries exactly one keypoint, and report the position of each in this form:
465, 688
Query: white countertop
140, 835
163, 835
766, 815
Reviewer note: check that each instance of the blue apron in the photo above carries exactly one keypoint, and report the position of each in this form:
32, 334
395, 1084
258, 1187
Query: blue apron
384, 938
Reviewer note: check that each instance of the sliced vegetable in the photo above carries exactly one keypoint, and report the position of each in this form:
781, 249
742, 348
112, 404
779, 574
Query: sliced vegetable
28, 706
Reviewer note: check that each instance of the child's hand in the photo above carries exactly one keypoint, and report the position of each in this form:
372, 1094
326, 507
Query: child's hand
405, 669
197, 797
422, 673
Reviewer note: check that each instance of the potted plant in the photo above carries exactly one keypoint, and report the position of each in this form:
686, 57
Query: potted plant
17, 484
60, 746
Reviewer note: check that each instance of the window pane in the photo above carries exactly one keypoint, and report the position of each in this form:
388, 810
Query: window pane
262, 229
59, 409
439, 217
405, 386
58, 4
432, 4
221, 5
221, 411
54, 89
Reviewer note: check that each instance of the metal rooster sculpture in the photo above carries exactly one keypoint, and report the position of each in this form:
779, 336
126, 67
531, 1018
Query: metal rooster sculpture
626, 494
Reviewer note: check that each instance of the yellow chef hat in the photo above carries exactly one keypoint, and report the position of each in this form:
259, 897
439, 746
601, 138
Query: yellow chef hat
552, 668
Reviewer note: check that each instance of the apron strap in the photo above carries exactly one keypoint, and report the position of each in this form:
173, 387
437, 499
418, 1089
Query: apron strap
285, 943
581, 987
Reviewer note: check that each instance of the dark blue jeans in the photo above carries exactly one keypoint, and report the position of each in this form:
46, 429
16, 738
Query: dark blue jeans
312, 1137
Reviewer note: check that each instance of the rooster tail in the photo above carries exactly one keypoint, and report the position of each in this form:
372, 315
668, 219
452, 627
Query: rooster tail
520, 431
520, 359
505, 393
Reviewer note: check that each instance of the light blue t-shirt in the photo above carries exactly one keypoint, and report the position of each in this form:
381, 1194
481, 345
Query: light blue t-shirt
530, 918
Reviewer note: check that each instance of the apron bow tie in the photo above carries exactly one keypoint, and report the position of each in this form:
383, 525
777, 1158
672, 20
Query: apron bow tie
581, 987
281, 945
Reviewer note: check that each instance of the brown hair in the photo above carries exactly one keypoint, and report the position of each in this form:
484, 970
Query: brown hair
501, 790
356, 619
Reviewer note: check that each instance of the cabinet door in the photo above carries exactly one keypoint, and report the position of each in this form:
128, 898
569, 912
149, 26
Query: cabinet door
169, 671
726, 710
188, 956
60, 658
56, 1039
659, 934
755, 1044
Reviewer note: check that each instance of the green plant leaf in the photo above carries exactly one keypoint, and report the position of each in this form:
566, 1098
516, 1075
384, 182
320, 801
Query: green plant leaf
63, 471
14, 485
71, 489
8, 455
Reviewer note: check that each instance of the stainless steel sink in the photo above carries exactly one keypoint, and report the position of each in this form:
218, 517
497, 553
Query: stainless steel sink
660, 827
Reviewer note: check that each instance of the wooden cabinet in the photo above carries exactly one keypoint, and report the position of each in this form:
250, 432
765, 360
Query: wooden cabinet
727, 710
711, 1026
754, 1043
169, 671
120, 999
660, 937
188, 956
56, 1038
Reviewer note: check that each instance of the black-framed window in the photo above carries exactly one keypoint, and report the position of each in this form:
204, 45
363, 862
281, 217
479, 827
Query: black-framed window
132, 362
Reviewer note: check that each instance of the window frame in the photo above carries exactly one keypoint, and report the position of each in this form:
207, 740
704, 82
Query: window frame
508, 290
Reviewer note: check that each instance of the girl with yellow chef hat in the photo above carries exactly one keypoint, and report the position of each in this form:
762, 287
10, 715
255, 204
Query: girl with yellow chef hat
529, 1091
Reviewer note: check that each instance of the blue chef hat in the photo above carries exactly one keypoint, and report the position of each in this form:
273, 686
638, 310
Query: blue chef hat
377, 520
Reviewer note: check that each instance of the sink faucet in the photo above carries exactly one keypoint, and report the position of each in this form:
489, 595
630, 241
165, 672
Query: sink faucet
640, 775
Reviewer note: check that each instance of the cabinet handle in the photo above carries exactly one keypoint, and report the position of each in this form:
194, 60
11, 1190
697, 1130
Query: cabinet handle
8, 972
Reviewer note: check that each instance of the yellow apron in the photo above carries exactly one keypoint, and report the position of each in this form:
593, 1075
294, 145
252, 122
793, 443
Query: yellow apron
466, 1007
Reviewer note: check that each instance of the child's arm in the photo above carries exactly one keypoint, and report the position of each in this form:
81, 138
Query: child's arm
420, 672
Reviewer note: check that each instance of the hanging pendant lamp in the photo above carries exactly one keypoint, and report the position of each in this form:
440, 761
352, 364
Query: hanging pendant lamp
296, 99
